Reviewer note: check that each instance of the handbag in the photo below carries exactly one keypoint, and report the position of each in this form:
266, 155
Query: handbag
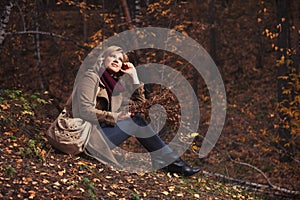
67, 134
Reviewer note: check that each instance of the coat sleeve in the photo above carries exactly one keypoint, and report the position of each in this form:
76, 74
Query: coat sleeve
139, 93
86, 94
138, 97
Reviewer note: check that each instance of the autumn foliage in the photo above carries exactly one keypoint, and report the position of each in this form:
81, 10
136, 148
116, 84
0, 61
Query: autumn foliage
46, 41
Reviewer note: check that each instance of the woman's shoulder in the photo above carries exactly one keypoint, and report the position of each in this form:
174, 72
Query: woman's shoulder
92, 73
88, 75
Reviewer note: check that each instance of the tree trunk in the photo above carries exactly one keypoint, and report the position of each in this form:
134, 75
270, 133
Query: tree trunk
195, 72
127, 14
84, 15
283, 71
212, 31
5, 13
294, 7
130, 26
137, 12
37, 48
260, 39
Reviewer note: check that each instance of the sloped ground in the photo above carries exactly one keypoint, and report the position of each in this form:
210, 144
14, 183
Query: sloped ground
31, 169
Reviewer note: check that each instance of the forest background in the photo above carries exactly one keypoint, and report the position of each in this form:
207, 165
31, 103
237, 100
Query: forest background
255, 45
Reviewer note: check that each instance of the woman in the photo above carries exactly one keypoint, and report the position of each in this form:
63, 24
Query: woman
98, 98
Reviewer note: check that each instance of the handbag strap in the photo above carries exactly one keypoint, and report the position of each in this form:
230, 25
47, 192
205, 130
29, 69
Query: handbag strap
68, 103
69, 100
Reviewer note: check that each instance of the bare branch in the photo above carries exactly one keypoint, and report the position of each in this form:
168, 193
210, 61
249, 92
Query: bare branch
49, 34
253, 167
247, 183
21, 15
263, 187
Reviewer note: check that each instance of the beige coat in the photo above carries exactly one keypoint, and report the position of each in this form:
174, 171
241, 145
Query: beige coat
90, 102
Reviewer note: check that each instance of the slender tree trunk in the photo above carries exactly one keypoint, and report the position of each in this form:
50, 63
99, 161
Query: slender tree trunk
212, 31
123, 28
38, 50
294, 7
195, 72
283, 71
84, 15
137, 13
130, 25
5, 13
127, 14
260, 39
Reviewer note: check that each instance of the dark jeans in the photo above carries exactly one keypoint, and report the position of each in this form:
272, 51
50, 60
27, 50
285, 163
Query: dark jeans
115, 135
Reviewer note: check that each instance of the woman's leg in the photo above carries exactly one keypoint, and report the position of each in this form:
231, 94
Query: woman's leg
165, 158
114, 136
124, 129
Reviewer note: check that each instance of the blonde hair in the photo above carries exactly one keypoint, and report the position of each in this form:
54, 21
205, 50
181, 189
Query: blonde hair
100, 61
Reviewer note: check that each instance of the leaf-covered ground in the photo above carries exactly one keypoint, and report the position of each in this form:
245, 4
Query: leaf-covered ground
31, 169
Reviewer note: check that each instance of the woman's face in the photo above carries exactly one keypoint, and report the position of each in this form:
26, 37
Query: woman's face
114, 62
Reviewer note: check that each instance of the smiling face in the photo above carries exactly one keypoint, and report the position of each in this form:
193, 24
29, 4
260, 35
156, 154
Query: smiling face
114, 61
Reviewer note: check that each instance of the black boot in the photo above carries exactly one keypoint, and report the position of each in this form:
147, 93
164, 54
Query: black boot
181, 168
167, 163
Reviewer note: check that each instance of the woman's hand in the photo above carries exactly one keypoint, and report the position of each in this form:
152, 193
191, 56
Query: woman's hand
128, 68
123, 115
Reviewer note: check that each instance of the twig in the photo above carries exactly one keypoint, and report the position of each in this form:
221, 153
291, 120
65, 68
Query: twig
49, 34
253, 167
255, 185
21, 15
262, 187
284, 190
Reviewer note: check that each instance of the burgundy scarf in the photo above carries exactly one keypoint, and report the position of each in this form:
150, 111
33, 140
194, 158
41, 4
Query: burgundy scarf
111, 84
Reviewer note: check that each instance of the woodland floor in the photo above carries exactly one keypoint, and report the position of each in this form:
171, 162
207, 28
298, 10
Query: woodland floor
31, 169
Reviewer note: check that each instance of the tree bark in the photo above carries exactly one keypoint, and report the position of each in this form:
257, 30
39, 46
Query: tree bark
84, 15
130, 25
294, 7
137, 12
4, 20
195, 71
127, 14
212, 30
38, 50
260, 40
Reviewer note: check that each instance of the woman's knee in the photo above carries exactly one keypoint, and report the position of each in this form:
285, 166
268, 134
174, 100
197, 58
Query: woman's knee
139, 120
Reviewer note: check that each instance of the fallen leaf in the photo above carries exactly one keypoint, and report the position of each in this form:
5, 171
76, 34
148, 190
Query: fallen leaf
192, 135
60, 173
64, 181
5, 106
171, 188
34, 182
45, 181
56, 184
8, 133
112, 194
179, 194
32, 194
